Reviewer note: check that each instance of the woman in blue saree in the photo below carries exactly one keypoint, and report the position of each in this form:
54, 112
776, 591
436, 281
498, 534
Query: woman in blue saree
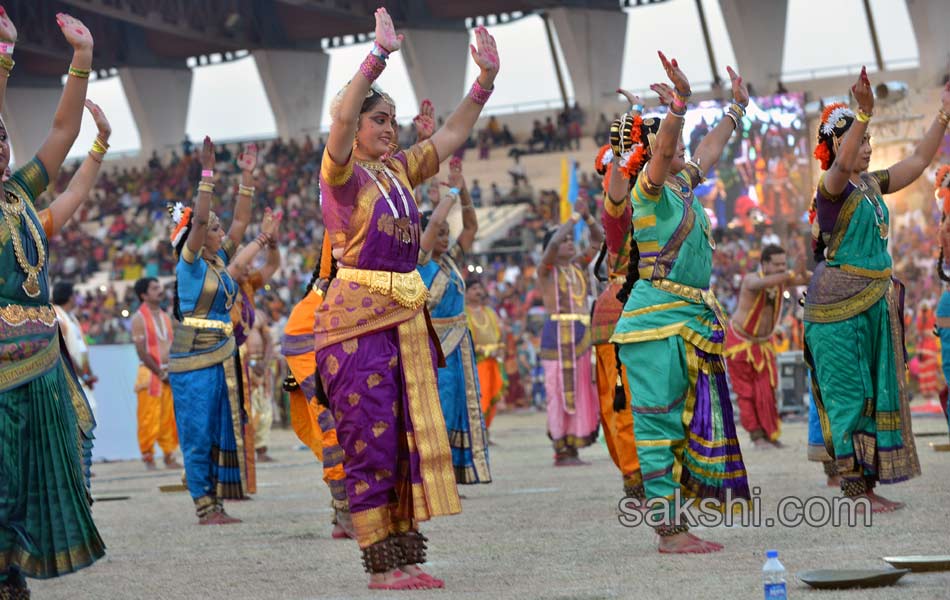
458, 380
202, 370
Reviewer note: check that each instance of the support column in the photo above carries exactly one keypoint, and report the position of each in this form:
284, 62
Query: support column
295, 83
28, 114
929, 20
757, 32
436, 61
592, 42
158, 99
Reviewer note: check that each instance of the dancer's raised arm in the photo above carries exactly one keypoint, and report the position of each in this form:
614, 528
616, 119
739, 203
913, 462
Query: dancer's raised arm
346, 117
902, 174
710, 149
668, 137
458, 127
66, 204
68, 115
847, 154
199, 222
242, 208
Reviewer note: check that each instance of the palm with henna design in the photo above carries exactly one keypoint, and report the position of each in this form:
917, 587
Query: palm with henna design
425, 121
386, 32
485, 55
75, 32
676, 76
8, 31
99, 117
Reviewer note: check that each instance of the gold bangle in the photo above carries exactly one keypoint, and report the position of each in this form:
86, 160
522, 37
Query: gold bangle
6, 63
98, 147
943, 116
104, 143
204, 186
80, 73
93, 156
245, 190
862, 116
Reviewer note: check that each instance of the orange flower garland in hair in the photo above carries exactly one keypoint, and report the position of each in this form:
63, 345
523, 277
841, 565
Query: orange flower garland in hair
601, 160
942, 188
638, 155
826, 131
182, 223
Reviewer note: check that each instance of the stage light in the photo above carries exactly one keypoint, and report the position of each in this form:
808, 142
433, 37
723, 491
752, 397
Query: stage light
125, 313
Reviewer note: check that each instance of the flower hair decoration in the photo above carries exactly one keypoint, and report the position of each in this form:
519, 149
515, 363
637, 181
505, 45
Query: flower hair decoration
181, 217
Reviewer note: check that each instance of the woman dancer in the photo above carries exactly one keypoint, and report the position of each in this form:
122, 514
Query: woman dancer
458, 380
942, 194
374, 355
202, 369
46, 527
852, 296
671, 332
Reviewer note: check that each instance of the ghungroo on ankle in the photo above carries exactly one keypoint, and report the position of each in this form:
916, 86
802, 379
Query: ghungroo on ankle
382, 556
854, 487
831, 468
668, 530
414, 547
635, 491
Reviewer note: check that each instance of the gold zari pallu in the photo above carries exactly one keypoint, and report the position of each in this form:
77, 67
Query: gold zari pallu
16, 314
585, 319
407, 289
197, 323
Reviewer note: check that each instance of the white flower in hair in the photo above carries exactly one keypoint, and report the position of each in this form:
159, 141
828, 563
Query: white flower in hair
177, 212
608, 156
828, 127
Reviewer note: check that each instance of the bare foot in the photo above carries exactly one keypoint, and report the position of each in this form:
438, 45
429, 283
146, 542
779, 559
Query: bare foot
417, 572
171, 463
686, 543
777, 444
218, 518
569, 461
878, 504
395, 580
834, 481
762, 444
883, 500
339, 533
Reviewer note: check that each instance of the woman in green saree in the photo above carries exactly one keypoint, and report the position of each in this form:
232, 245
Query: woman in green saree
46, 527
854, 334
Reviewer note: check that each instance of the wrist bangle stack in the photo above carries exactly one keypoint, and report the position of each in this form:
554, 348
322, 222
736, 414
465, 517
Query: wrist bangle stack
245, 190
944, 117
99, 146
207, 173
735, 112
862, 116
374, 63
478, 94
206, 187
7, 47
80, 73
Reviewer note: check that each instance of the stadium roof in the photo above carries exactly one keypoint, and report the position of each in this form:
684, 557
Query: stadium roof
164, 33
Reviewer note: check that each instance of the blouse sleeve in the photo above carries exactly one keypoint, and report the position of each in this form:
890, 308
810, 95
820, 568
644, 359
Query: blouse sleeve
421, 162
336, 180
616, 220
32, 178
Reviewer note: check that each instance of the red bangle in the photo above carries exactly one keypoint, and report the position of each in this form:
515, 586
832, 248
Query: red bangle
478, 94
372, 67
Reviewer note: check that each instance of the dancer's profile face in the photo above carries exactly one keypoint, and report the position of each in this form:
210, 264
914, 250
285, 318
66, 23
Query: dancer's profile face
442, 241
215, 238
679, 160
377, 130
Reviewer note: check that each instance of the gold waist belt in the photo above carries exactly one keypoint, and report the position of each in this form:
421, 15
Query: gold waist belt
407, 289
16, 314
585, 319
197, 323
681, 290
870, 274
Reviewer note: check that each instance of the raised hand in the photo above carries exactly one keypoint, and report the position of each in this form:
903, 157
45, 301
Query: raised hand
862, 92
740, 92
7, 29
247, 160
207, 154
677, 77
485, 55
456, 179
386, 32
425, 120
74, 31
636, 104
665, 93
102, 123
271, 222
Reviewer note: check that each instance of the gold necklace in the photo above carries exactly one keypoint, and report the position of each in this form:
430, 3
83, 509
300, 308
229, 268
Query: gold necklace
14, 213
371, 165
485, 323
883, 230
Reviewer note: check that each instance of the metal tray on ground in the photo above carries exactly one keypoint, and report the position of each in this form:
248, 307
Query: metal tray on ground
839, 579
918, 563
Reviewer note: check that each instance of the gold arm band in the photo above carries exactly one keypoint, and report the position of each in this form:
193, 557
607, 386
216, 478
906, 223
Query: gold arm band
585, 319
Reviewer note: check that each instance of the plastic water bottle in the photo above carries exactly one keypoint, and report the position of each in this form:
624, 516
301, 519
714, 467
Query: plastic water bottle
773, 576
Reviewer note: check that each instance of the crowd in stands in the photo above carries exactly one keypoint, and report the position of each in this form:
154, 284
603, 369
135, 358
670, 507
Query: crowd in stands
125, 226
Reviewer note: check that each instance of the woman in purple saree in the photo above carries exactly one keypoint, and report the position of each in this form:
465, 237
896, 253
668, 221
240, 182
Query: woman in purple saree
375, 354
